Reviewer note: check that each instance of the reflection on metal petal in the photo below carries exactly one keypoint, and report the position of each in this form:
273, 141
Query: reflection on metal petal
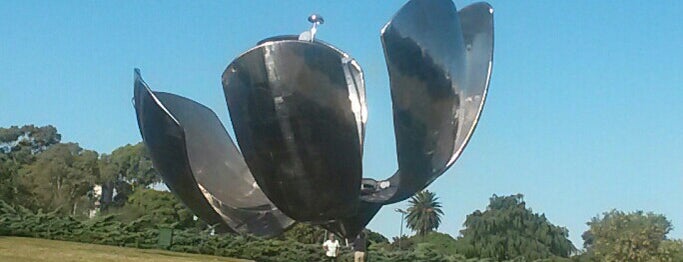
354, 79
299, 121
203, 149
439, 66
165, 140
477, 29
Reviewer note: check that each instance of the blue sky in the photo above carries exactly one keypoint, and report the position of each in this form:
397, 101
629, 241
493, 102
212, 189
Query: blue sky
583, 113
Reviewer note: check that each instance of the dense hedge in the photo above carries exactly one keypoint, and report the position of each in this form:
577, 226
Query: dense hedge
19, 221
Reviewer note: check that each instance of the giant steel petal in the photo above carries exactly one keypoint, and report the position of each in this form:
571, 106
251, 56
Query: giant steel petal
218, 168
351, 224
439, 66
355, 81
221, 172
165, 141
299, 125
477, 29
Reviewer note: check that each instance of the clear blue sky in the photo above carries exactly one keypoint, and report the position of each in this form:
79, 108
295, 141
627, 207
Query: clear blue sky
584, 112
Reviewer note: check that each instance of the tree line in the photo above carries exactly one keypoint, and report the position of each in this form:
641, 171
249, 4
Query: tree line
42, 177
509, 230
40, 172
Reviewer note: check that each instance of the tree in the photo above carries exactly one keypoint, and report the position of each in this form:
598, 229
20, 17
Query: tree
424, 213
374, 237
18, 147
159, 207
61, 178
671, 250
507, 229
28, 139
8, 174
637, 236
434, 246
403, 243
441, 243
127, 168
306, 234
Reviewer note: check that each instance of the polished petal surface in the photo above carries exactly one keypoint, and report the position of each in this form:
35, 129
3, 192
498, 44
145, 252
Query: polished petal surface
298, 121
216, 165
477, 29
165, 140
439, 69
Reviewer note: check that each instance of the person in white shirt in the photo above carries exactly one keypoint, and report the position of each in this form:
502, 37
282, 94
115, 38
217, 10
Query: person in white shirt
331, 246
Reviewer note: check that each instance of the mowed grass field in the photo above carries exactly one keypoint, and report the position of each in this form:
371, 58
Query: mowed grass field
32, 249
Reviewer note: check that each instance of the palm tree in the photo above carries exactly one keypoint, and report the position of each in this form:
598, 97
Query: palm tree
424, 213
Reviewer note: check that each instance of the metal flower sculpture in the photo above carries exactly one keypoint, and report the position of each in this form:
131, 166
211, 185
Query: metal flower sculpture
298, 110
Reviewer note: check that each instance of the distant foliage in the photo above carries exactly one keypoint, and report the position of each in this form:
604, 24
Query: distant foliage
637, 236
438, 242
19, 147
375, 238
126, 169
507, 229
160, 208
61, 178
403, 242
435, 241
671, 250
40, 172
305, 233
424, 213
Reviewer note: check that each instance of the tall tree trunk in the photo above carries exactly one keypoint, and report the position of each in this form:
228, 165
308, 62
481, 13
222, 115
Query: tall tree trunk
107, 195
73, 211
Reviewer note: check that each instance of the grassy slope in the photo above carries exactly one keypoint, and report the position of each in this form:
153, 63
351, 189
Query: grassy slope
31, 249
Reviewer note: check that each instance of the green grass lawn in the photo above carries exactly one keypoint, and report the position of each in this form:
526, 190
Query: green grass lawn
32, 249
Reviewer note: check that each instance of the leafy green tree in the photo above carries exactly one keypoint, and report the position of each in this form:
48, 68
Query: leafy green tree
424, 213
61, 178
28, 139
124, 170
157, 207
437, 242
637, 236
671, 250
305, 233
374, 237
403, 243
434, 246
18, 147
8, 174
507, 229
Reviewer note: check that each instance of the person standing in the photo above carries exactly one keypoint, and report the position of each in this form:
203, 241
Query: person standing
360, 246
331, 246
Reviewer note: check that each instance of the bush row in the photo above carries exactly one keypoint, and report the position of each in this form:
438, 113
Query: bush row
105, 230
